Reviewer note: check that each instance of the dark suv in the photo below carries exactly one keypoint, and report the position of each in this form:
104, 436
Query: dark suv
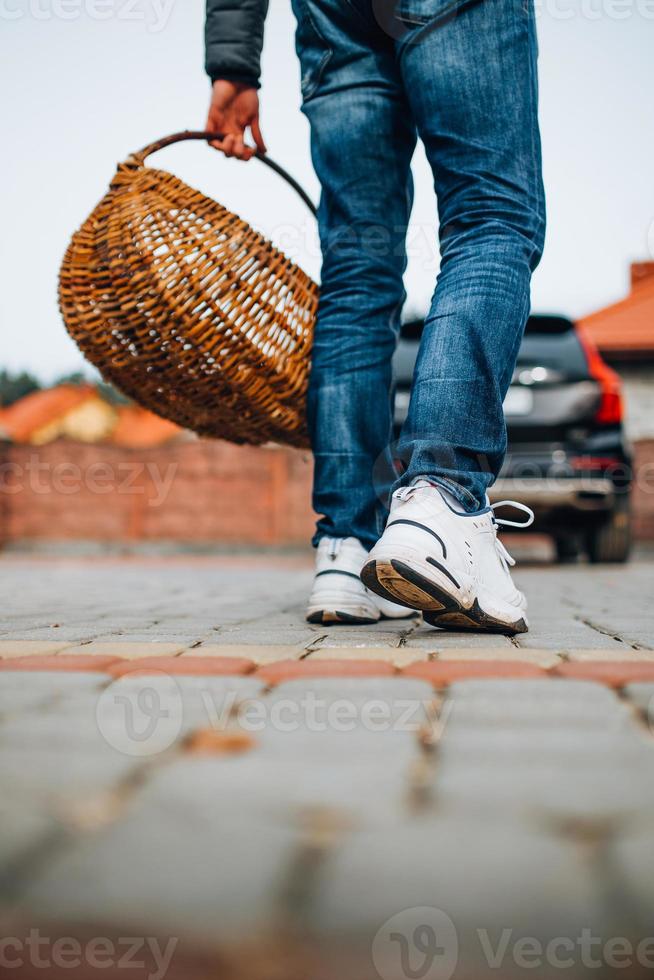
568, 458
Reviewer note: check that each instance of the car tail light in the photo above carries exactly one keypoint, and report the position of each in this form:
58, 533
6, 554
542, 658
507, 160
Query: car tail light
610, 409
594, 462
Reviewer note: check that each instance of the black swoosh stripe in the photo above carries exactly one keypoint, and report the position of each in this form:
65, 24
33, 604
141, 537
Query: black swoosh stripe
437, 564
336, 571
423, 527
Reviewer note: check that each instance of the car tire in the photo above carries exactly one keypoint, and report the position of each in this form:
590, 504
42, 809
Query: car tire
567, 549
611, 542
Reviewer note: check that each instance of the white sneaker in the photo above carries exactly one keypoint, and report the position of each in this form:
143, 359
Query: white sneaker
449, 564
339, 595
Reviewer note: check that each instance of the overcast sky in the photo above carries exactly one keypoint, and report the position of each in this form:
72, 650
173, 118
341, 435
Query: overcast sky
85, 82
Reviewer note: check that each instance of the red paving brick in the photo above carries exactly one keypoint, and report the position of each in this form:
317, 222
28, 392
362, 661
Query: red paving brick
615, 673
59, 662
441, 673
290, 670
183, 665
211, 741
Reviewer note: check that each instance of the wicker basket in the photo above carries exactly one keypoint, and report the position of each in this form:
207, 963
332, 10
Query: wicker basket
187, 310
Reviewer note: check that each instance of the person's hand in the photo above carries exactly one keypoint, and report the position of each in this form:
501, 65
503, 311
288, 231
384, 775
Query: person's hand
235, 108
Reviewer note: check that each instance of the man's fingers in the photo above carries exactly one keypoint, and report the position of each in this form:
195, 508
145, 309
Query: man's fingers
213, 125
228, 145
239, 146
256, 135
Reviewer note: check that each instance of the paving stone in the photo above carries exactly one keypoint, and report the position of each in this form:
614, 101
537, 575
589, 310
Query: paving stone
266, 637
213, 877
17, 702
614, 673
561, 633
23, 828
399, 656
52, 682
460, 865
56, 775
572, 747
543, 791
442, 673
358, 690
276, 673
30, 648
58, 662
288, 793
642, 696
489, 714
435, 640
371, 636
322, 731
257, 654
194, 701
186, 664
534, 693
127, 650
541, 658
67, 635
624, 653
176, 641
632, 857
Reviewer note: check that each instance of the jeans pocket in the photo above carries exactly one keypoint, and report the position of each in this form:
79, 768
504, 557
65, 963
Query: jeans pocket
313, 50
421, 12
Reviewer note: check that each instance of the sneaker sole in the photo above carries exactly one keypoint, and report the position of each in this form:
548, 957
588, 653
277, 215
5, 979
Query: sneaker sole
397, 581
334, 617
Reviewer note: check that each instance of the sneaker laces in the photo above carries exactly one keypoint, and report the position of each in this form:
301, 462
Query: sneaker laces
503, 522
334, 547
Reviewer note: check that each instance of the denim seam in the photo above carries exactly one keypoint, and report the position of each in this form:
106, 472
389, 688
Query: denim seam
452, 487
310, 90
436, 20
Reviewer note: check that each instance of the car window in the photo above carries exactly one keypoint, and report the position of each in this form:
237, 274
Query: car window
549, 342
561, 352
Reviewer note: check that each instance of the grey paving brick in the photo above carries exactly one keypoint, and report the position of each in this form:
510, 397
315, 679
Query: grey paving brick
22, 828
633, 860
54, 682
534, 692
58, 776
316, 721
181, 599
545, 792
481, 873
571, 747
428, 638
354, 792
642, 696
211, 877
548, 704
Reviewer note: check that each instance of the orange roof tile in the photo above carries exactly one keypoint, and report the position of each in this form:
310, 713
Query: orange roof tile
32, 412
626, 327
137, 428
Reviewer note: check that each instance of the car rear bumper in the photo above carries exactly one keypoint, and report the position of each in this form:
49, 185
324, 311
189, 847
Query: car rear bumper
585, 494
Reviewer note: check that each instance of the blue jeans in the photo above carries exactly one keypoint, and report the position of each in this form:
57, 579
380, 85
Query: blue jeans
461, 76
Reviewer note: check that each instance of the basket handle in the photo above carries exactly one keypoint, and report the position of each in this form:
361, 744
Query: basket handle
191, 134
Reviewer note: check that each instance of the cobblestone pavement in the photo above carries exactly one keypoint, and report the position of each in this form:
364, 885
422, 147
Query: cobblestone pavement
186, 763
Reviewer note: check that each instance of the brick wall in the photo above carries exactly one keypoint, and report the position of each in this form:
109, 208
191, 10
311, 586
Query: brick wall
643, 494
197, 491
